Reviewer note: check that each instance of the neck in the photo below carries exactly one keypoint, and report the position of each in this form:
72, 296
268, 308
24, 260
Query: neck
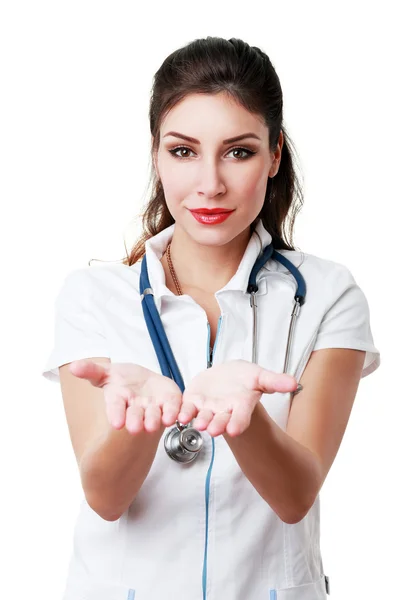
203, 268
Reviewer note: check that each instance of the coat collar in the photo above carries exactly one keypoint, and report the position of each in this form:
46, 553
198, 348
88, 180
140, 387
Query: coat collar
157, 245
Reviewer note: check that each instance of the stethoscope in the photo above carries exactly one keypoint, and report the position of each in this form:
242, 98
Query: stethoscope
183, 442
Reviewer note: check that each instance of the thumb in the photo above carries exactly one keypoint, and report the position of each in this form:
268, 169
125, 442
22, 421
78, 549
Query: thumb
270, 382
95, 373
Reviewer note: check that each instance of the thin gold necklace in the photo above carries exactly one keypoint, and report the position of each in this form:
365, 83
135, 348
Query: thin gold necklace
178, 287
172, 270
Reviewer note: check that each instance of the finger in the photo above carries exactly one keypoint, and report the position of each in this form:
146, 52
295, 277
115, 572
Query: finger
116, 400
270, 382
90, 370
152, 418
170, 409
191, 404
116, 412
134, 418
187, 412
239, 421
203, 419
219, 423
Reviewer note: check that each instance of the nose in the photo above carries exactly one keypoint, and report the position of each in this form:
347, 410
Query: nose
211, 182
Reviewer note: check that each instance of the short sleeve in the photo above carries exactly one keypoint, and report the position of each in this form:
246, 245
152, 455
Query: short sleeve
77, 328
346, 323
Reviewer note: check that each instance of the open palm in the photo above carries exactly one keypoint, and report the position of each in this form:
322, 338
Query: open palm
223, 397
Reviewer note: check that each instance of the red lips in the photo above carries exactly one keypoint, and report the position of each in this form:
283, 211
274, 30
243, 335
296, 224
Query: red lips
211, 211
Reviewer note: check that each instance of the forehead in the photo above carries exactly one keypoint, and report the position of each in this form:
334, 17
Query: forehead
211, 115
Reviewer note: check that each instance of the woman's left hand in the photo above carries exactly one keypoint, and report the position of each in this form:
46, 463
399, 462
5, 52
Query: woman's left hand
223, 397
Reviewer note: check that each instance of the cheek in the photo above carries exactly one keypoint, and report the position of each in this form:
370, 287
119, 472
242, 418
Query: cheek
254, 184
174, 196
251, 177
175, 189
175, 181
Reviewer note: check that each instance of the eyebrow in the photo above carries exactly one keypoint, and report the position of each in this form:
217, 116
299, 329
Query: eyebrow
228, 141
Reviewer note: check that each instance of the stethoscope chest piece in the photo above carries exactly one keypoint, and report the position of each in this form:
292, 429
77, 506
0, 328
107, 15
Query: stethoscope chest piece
183, 443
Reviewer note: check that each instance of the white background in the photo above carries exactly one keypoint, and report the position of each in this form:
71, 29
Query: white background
74, 143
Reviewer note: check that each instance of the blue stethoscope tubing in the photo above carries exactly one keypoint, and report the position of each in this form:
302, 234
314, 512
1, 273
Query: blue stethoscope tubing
165, 356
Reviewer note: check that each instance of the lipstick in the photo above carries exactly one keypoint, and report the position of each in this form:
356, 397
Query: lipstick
212, 216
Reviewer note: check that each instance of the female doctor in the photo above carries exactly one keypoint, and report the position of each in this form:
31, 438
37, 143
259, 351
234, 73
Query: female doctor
202, 437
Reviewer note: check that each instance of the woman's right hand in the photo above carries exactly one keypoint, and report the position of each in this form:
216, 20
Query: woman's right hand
135, 396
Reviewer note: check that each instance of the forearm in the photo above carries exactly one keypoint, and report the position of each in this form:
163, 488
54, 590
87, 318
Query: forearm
114, 468
283, 471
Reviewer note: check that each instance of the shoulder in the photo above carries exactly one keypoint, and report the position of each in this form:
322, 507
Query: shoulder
315, 268
100, 282
326, 281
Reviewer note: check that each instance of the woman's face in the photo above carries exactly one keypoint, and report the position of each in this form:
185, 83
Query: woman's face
209, 173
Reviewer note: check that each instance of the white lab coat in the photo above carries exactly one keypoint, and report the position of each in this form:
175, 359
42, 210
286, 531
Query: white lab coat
162, 546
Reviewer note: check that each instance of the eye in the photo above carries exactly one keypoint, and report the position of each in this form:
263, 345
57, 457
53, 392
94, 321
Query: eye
240, 149
174, 151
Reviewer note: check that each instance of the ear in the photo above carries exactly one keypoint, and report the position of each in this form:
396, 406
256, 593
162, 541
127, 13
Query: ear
277, 156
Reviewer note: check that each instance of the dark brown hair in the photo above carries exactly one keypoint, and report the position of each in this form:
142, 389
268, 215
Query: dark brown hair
209, 66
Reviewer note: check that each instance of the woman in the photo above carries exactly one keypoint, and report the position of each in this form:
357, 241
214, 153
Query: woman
242, 519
